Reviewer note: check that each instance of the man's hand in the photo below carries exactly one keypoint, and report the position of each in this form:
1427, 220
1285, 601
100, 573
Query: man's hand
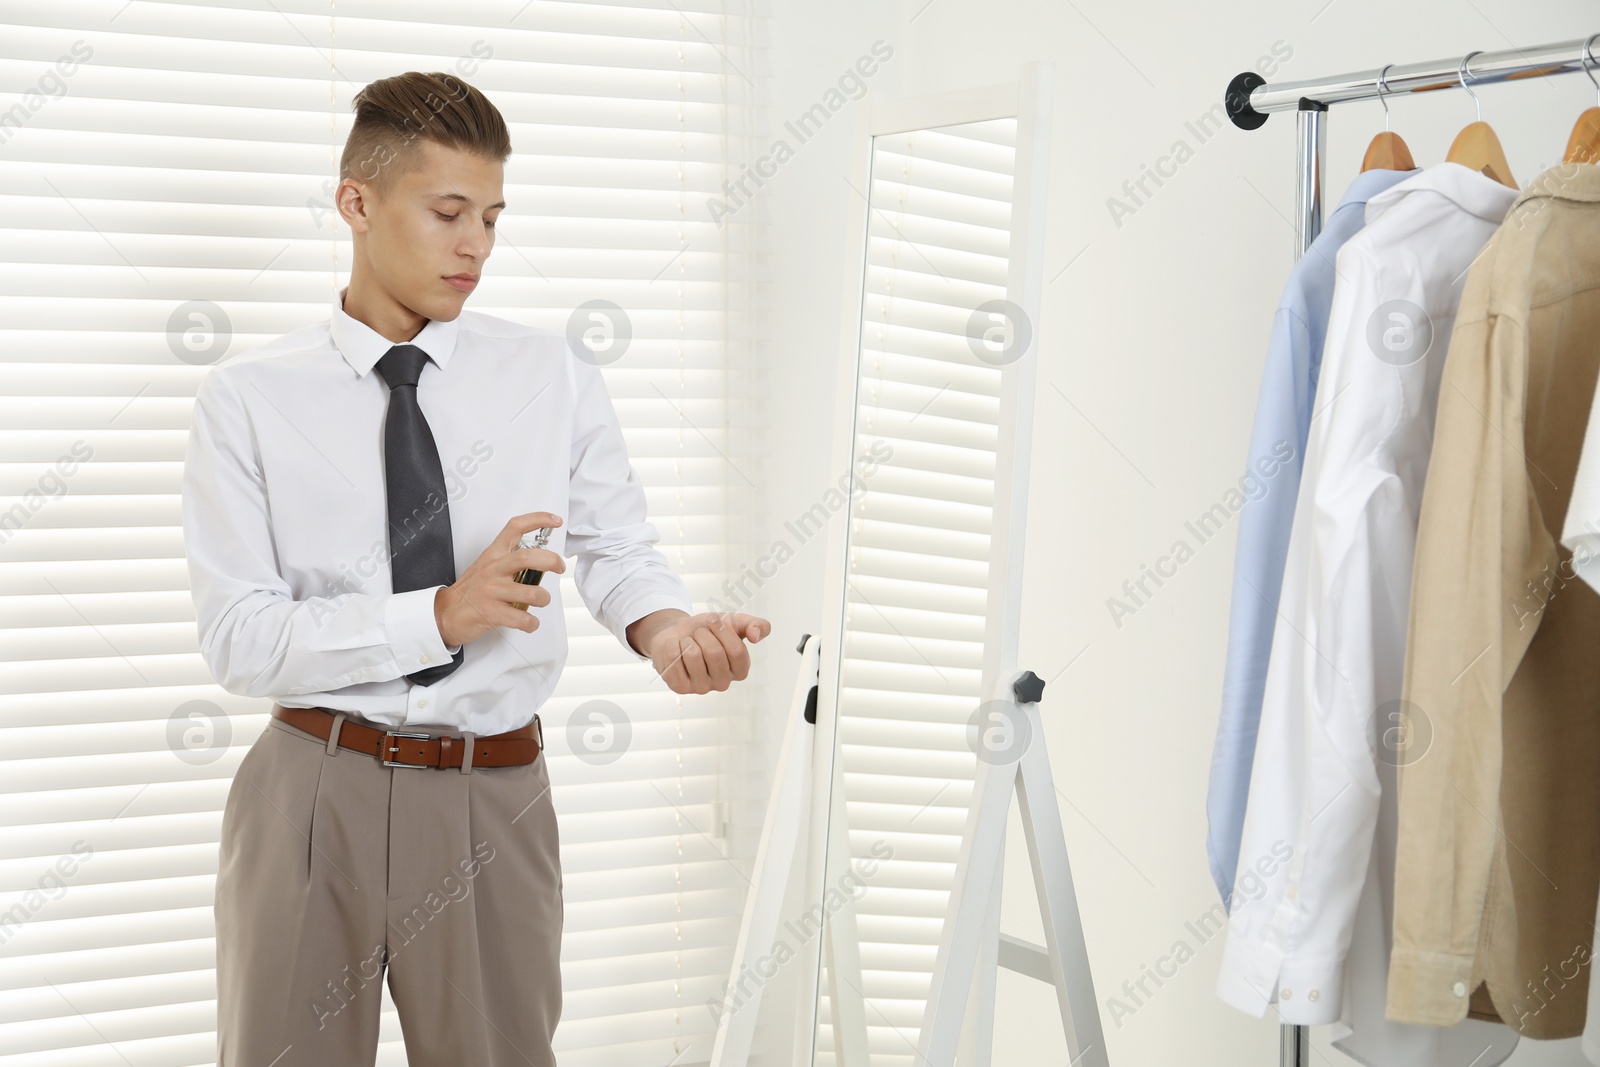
482, 597
698, 653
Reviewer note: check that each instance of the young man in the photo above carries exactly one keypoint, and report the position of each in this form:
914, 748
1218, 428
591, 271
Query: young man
353, 499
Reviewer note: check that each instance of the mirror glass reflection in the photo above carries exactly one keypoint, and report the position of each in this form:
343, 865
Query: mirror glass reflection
927, 404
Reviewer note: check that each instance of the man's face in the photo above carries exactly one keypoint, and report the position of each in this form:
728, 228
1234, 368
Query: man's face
435, 223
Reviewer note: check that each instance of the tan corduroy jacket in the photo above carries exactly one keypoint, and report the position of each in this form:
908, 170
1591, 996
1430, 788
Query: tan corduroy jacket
1498, 859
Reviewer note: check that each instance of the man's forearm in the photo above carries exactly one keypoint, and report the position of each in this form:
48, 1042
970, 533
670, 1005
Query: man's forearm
642, 630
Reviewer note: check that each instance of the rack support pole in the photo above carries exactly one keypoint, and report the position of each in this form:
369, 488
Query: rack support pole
1294, 1048
1312, 145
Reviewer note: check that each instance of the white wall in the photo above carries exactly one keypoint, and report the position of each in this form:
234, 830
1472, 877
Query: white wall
1156, 333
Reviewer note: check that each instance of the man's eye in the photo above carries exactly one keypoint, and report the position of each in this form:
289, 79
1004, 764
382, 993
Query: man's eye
489, 223
442, 215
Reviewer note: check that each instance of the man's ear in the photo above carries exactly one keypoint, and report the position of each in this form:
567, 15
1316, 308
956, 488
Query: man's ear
351, 200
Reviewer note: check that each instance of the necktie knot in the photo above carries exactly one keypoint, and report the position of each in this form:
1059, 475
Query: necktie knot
402, 365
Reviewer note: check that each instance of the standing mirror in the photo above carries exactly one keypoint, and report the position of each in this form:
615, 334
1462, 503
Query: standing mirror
924, 582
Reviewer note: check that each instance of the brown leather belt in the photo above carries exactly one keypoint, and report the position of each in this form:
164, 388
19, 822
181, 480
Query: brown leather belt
403, 748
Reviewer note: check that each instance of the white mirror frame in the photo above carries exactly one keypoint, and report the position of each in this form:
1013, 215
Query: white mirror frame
1029, 101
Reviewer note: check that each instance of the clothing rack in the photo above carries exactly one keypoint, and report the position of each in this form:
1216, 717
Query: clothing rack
1250, 99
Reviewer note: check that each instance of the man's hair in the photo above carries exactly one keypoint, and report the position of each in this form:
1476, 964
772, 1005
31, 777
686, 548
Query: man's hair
392, 113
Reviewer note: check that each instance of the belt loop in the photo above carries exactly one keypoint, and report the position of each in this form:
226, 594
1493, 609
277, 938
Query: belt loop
333, 734
468, 743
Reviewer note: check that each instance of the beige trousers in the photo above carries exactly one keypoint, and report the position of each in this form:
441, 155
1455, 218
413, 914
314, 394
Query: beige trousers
335, 869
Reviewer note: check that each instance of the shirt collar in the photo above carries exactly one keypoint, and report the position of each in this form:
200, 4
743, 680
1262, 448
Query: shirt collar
1471, 190
1369, 183
1565, 181
362, 346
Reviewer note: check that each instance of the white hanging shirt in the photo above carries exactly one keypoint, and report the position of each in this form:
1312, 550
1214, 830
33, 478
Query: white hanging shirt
1310, 926
1580, 531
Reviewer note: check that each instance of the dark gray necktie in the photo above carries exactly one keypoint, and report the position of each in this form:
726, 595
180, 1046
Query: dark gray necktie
421, 553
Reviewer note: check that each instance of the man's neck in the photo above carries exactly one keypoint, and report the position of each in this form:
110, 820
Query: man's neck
388, 319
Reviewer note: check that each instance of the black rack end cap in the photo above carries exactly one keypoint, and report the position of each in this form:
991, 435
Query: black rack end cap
1238, 101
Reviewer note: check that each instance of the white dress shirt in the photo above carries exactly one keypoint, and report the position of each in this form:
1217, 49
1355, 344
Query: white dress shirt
1580, 531
285, 520
1277, 453
1314, 937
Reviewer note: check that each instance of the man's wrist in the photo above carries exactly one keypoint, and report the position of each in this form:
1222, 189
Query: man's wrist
438, 614
642, 631
412, 629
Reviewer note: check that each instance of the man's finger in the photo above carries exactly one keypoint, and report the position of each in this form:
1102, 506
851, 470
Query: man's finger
516, 560
713, 648
752, 627
521, 524
693, 662
676, 677
673, 673
735, 655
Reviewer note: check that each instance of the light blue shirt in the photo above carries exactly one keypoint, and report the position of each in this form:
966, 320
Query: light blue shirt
1277, 451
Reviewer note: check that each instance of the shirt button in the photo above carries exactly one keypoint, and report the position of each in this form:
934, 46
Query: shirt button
1313, 995
1285, 994
425, 659
356, 677
1459, 989
422, 703
1291, 892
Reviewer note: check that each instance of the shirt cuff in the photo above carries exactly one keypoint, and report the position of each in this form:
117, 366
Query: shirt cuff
1429, 988
1256, 975
413, 630
647, 605
1309, 994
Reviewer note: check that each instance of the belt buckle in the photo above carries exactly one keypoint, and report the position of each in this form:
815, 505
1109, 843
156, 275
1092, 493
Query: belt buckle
538, 730
402, 733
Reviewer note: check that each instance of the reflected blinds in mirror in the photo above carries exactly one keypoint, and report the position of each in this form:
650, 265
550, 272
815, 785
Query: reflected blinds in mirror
938, 234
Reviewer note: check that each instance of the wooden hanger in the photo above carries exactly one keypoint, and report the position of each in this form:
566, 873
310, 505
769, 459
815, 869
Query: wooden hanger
1388, 150
1477, 146
1584, 144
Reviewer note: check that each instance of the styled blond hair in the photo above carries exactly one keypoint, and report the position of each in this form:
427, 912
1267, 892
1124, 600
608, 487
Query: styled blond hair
392, 113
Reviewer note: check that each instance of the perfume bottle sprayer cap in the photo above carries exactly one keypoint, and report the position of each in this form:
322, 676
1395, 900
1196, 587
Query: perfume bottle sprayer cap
535, 538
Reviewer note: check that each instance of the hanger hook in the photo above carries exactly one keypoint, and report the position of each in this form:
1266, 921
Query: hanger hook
1588, 59
1383, 89
1461, 73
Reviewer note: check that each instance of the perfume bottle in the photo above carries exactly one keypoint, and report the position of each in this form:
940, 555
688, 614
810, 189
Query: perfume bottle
529, 576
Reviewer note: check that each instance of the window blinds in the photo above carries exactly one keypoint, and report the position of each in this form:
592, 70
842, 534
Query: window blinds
938, 232
187, 154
